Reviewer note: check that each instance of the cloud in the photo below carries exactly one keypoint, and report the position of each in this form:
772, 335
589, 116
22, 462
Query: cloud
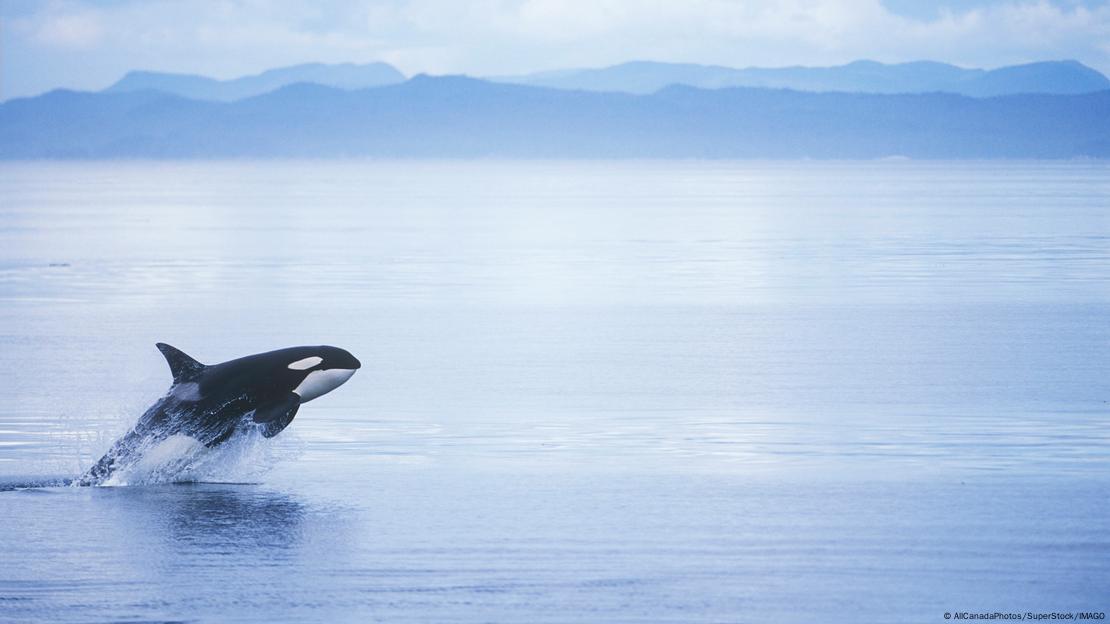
90, 44
70, 31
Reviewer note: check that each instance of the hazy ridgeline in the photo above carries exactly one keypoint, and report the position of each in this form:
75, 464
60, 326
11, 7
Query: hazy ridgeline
1059, 77
861, 110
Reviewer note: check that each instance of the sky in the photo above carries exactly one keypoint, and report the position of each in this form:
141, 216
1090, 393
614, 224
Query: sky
87, 45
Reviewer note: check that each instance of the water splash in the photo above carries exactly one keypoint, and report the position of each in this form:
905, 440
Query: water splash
178, 458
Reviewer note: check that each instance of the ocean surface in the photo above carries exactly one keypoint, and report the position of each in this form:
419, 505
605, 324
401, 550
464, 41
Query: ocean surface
591, 391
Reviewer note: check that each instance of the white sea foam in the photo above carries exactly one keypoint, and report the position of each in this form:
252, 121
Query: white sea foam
180, 459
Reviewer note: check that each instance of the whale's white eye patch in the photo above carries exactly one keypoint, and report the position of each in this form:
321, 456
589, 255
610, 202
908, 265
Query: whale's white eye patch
306, 363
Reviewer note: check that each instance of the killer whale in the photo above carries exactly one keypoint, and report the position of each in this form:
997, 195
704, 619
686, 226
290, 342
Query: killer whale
207, 405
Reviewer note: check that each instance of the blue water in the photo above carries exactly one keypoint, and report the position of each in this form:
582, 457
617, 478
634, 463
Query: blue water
591, 392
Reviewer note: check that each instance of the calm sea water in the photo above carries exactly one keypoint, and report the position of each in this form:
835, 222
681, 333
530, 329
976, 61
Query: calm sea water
591, 392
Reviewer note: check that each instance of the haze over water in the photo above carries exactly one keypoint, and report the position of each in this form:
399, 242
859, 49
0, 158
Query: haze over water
671, 391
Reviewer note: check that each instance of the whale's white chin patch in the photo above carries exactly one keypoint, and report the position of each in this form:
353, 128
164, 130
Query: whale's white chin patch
320, 382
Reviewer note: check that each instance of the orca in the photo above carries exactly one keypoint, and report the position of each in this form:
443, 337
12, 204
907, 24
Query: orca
207, 405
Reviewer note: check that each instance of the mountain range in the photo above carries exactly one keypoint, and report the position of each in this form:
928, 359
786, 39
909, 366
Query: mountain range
454, 116
342, 76
643, 77
1062, 77
647, 77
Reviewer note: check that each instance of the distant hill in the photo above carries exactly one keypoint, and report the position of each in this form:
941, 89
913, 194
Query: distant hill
644, 77
463, 117
1059, 77
341, 76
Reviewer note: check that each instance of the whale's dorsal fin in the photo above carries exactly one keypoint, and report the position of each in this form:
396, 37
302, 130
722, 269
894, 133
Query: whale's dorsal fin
182, 367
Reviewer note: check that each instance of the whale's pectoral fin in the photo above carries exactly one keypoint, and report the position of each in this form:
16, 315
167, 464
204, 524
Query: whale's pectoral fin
276, 415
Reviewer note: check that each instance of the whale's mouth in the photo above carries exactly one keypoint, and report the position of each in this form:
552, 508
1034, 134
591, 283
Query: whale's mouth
321, 382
